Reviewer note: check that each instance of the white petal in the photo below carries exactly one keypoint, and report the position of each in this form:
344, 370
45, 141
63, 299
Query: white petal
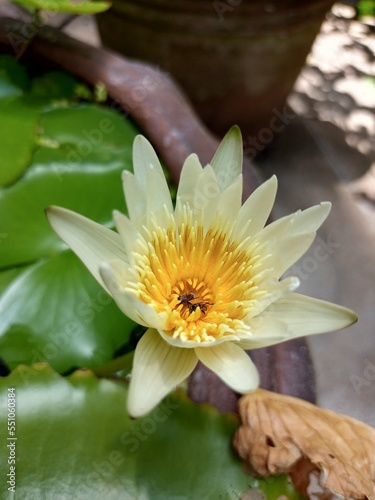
301, 222
159, 202
257, 208
229, 203
276, 290
157, 368
207, 188
144, 159
288, 251
92, 242
135, 197
190, 172
206, 196
300, 316
147, 191
311, 218
231, 364
128, 233
288, 238
227, 161
263, 341
116, 276
264, 332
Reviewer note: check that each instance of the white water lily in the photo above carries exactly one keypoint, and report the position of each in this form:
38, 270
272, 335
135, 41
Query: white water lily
205, 276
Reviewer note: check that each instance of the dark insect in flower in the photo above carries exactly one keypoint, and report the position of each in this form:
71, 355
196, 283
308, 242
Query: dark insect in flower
186, 299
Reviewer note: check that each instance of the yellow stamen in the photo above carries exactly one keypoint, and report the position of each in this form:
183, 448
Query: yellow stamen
204, 282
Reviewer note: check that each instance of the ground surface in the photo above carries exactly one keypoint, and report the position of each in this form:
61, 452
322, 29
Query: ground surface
327, 153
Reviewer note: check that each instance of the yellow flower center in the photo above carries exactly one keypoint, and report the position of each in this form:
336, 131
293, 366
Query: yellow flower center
204, 282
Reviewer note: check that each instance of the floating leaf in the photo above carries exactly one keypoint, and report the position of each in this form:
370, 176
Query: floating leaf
56, 152
55, 311
74, 440
19, 124
78, 166
13, 78
55, 84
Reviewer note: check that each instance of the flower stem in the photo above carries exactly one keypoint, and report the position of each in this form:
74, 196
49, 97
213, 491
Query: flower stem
123, 363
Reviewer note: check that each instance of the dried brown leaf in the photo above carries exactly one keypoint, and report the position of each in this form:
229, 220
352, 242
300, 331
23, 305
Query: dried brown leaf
281, 434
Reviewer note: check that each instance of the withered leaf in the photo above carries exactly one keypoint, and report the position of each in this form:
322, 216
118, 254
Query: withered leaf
282, 434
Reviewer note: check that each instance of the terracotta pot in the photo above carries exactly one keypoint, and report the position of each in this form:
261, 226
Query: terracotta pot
155, 103
236, 59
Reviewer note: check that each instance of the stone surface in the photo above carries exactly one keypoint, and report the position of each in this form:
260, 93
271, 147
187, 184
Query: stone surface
327, 152
340, 265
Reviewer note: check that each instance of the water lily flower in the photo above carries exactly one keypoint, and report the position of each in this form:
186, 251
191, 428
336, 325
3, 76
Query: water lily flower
205, 276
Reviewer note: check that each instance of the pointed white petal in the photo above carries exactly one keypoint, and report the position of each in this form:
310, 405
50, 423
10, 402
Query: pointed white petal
301, 222
264, 332
227, 161
159, 202
262, 341
300, 316
206, 196
116, 276
231, 364
144, 159
92, 242
190, 172
128, 233
288, 238
147, 190
135, 197
207, 189
229, 203
257, 208
157, 368
276, 290
312, 218
288, 251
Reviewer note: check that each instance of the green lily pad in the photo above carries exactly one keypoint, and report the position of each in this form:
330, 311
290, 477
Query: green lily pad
75, 440
55, 311
13, 78
55, 84
6, 277
19, 122
57, 152
272, 487
22, 107
90, 185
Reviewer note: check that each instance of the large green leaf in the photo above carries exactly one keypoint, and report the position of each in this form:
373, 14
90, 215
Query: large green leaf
86, 185
55, 311
13, 78
54, 84
19, 125
20, 110
78, 166
75, 440
69, 154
